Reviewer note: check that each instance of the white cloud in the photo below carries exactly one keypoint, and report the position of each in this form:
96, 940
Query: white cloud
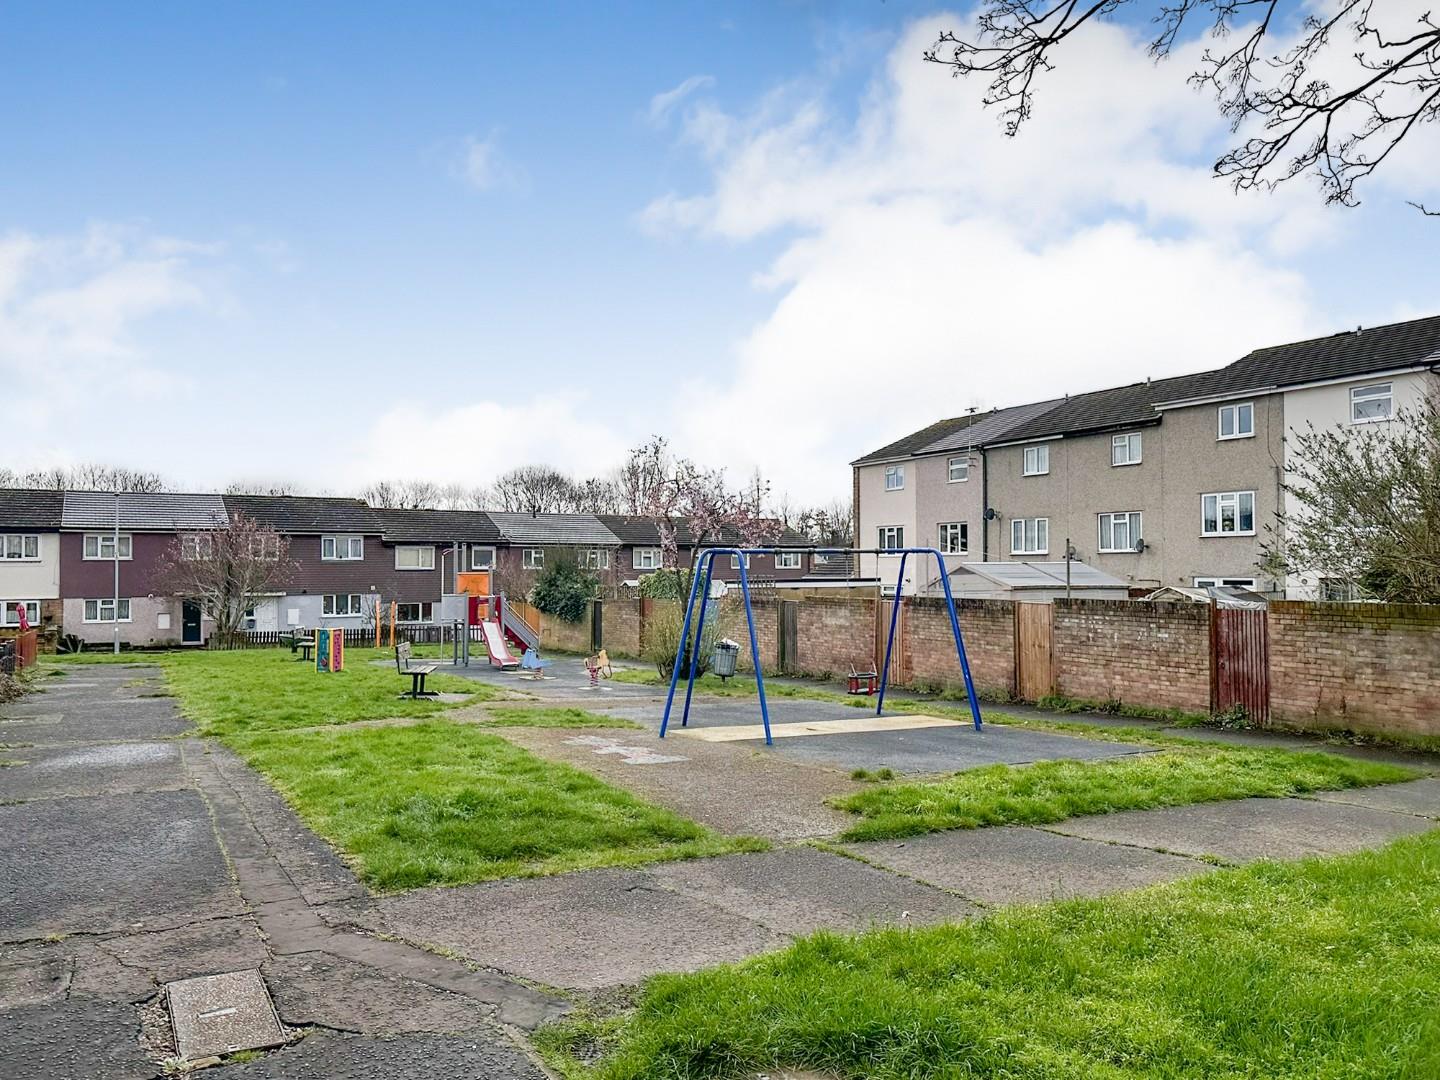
484, 166
933, 263
664, 103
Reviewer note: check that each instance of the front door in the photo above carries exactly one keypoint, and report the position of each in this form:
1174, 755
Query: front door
190, 623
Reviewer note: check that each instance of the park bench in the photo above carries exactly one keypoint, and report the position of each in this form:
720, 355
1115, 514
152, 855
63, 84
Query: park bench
301, 641
416, 669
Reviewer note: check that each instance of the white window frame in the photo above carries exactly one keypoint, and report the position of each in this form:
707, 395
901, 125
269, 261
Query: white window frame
354, 548
99, 610
1125, 441
893, 541
1225, 582
788, 560
1134, 526
126, 548
959, 531
895, 473
595, 559
417, 548
354, 605
478, 549
532, 558
265, 547
196, 546
424, 611
964, 464
646, 558
1386, 393
1234, 411
8, 606
1033, 526
1041, 458
15, 542
1221, 498
735, 562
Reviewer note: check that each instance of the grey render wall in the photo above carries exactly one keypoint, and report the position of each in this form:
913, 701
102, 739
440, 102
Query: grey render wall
937, 500
143, 627
878, 507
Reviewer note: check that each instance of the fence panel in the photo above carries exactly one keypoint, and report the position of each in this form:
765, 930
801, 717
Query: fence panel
1240, 661
1034, 651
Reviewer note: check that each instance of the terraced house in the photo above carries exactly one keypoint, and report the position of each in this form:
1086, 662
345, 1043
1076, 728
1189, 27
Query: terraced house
1167, 482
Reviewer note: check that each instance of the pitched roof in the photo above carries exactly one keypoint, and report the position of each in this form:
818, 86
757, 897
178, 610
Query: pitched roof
553, 529
993, 426
1349, 353
631, 528
919, 440
308, 513
159, 511
30, 508
438, 526
1118, 407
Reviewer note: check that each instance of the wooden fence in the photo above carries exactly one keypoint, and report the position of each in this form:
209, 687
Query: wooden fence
19, 652
419, 634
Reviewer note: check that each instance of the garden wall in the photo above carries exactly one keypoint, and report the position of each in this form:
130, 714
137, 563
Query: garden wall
1136, 651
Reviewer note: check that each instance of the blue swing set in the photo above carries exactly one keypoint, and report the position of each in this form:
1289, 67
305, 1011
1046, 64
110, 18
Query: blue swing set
706, 563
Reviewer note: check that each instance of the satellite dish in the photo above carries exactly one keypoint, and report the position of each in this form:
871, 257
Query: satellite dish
1140, 546
991, 513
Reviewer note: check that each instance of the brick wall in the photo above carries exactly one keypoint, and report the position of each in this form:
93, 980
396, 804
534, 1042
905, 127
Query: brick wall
833, 632
621, 625
1136, 651
565, 636
988, 628
1358, 667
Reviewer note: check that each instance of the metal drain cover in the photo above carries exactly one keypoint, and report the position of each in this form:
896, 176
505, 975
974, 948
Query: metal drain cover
220, 1014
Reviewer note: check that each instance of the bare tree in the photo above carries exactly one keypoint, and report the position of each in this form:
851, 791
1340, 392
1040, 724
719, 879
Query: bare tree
831, 525
532, 489
262, 487
1367, 507
226, 570
89, 477
1333, 101
595, 496
404, 495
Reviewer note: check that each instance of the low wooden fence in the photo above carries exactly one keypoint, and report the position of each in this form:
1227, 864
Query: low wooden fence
19, 652
420, 634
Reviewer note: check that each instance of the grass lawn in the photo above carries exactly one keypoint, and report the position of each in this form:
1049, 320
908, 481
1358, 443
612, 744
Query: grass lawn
1319, 970
264, 689
1054, 790
552, 716
443, 803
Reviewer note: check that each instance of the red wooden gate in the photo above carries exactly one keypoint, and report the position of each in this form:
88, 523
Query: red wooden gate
1240, 661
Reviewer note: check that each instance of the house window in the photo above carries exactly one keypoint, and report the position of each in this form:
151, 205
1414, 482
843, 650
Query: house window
1227, 512
645, 558
954, 537
341, 604
1030, 536
533, 558
890, 537
735, 562
10, 612
342, 548
1237, 421
1338, 591
482, 558
103, 546
1125, 449
1037, 460
409, 557
596, 559
1371, 403
196, 546
20, 547
894, 477
1119, 532
412, 612
265, 547
104, 610
787, 560
957, 470
1227, 582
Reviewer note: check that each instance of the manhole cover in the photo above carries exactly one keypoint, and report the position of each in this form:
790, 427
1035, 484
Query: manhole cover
220, 1014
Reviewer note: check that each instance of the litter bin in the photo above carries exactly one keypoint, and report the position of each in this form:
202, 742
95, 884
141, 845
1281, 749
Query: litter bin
722, 660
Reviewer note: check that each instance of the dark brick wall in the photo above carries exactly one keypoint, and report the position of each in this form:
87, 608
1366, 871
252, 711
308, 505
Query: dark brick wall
1135, 651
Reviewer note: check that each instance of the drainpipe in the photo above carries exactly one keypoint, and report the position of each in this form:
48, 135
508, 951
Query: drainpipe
115, 550
984, 506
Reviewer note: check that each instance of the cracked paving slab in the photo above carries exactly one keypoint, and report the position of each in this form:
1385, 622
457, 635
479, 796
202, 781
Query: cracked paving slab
100, 769
79, 1038
481, 1055
1249, 829
106, 863
1010, 864
1419, 797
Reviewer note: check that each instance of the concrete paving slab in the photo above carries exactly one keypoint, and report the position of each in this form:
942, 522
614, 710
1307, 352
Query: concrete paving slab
1419, 797
473, 1056
1013, 865
800, 890
1248, 829
128, 720
79, 1038
947, 749
202, 948
32, 974
585, 930
135, 861
103, 769
316, 988
220, 1014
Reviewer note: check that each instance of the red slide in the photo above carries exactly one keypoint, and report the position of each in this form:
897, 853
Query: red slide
500, 654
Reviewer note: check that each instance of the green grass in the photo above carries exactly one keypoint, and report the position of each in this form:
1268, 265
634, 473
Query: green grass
551, 716
1319, 970
1054, 790
227, 692
443, 803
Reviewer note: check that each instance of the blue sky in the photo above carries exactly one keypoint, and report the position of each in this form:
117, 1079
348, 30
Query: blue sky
442, 240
